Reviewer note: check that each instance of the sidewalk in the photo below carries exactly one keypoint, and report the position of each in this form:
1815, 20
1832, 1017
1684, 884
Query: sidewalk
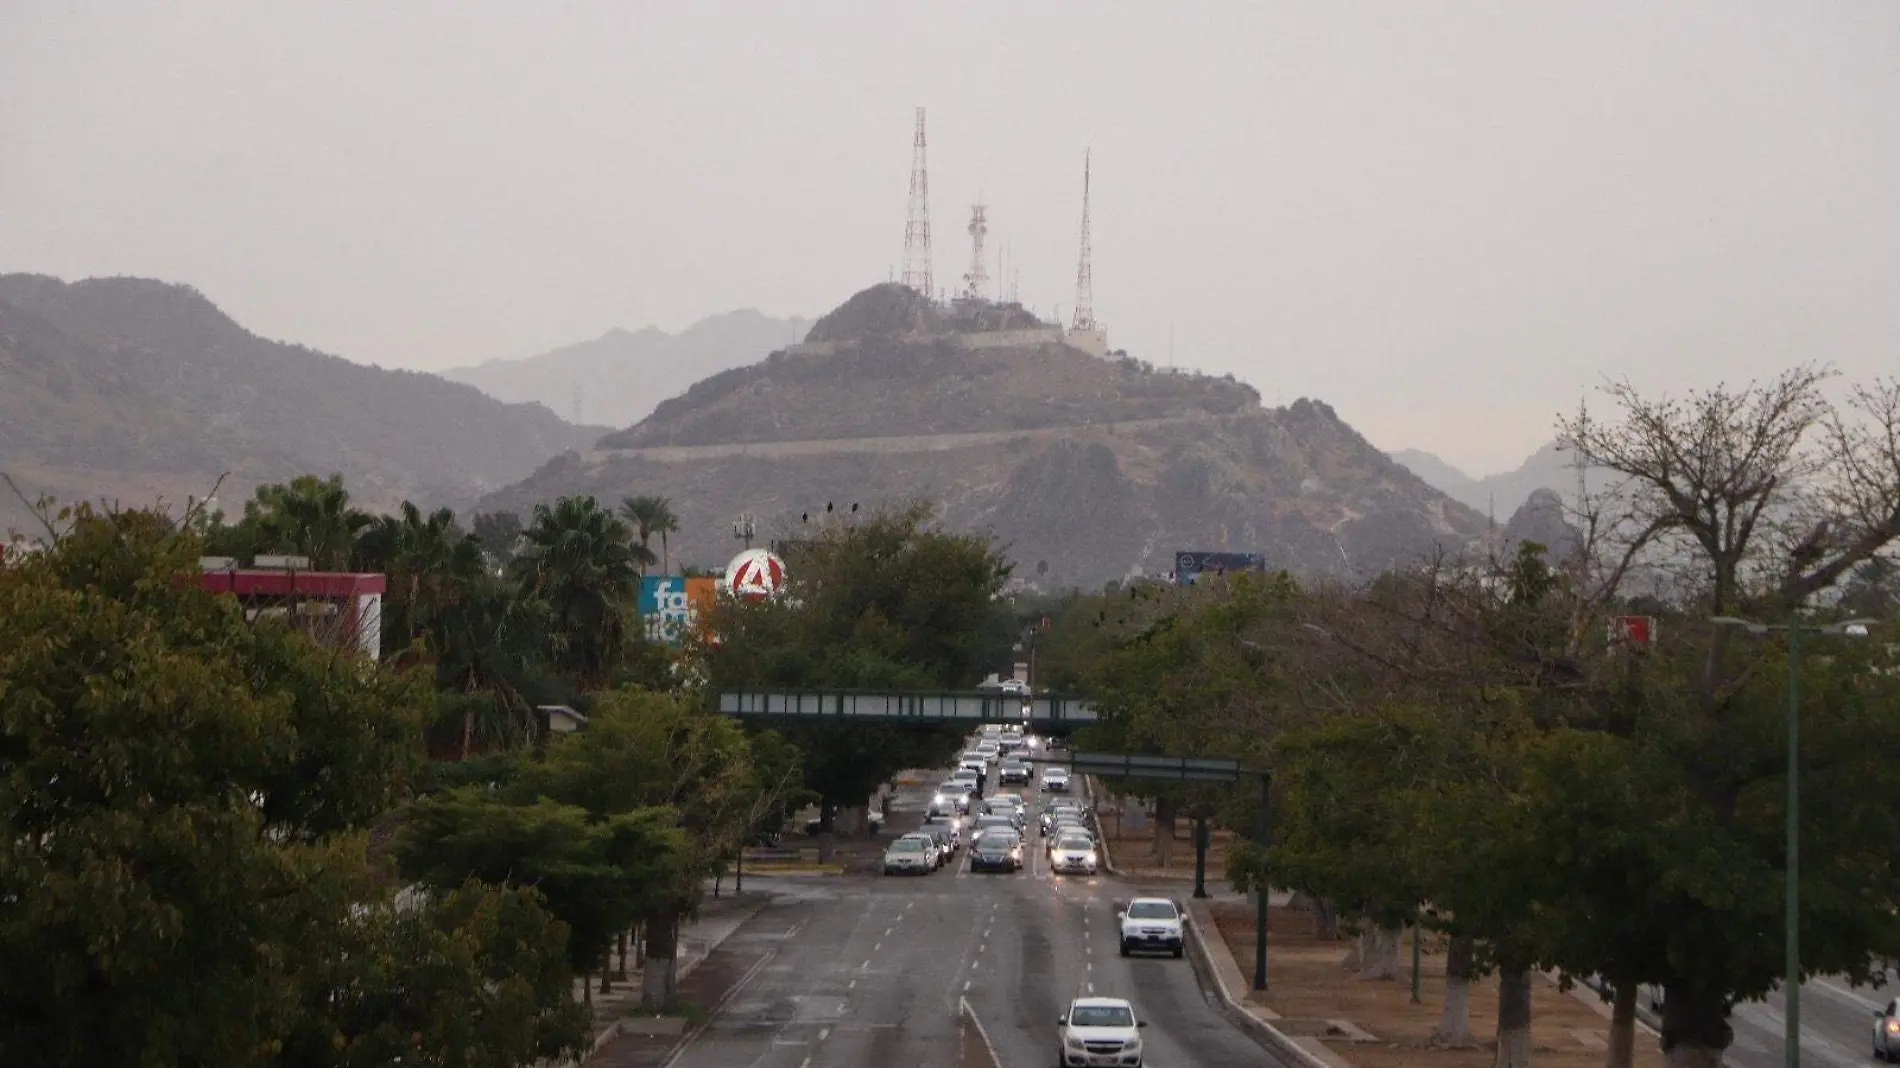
618, 1011
1319, 1016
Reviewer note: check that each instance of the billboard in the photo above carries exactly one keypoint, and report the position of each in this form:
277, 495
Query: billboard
672, 606
1189, 566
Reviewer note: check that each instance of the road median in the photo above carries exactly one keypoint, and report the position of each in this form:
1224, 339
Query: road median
1317, 1014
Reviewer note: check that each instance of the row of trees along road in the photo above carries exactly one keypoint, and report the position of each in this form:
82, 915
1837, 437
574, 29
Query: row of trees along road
1467, 746
234, 848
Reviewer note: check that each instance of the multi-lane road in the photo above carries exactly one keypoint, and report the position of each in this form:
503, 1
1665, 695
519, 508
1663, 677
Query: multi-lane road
1837, 1023
847, 971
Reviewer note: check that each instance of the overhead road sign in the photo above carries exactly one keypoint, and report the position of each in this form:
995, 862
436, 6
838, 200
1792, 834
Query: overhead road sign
1134, 766
911, 707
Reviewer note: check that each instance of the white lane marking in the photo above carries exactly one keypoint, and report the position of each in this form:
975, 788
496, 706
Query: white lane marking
806, 1063
1091, 987
824, 1033
964, 1004
1088, 951
1864, 1003
866, 966
688, 1039
980, 946
966, 985
1088, 966
877, 946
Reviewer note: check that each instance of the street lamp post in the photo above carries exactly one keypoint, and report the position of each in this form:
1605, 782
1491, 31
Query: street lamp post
1794, 628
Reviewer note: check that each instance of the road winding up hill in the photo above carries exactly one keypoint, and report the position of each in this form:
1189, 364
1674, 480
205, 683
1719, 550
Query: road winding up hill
1088, 469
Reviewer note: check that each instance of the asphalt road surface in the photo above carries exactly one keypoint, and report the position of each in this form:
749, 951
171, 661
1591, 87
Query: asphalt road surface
852, 971
1837, 1025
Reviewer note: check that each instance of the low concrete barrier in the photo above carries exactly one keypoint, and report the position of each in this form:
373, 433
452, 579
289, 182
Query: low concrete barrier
766, 855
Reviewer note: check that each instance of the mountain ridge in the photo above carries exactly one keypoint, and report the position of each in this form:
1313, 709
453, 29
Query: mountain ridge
137, 389
623, 374
1086, 468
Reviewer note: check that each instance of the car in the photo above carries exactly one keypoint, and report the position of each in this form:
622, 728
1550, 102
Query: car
1056, 780
1014, 771
972, 782
914, 853
949, 836
952, 797
995, 821
1151, 923
1074, 854
1099, 1031
989, 750
996, 849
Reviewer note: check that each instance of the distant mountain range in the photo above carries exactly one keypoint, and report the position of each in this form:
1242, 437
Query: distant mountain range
1502, 494
621, 376
135, 390
1086, 469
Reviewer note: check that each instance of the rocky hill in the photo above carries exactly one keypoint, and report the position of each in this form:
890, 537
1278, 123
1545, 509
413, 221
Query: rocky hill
1088, 469
135, 389
622, 374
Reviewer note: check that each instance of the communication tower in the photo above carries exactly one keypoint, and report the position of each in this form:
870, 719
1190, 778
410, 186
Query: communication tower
917, 227
1084, 332
976, 283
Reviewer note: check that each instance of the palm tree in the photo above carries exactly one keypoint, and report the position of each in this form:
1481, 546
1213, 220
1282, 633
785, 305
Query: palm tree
584, 563
310, 517
648, 516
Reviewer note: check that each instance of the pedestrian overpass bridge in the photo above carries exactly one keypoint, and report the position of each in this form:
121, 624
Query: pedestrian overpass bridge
1037, 711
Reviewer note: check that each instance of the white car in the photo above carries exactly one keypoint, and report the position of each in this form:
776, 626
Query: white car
914, 853
1056, 780
1099, 1031
1151, 923
1015, 686
1073, 854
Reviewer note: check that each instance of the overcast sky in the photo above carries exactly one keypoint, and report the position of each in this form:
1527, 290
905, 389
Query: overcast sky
1447, 219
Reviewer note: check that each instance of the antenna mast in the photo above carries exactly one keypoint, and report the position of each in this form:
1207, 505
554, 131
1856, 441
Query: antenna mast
1084, 277
917, 228
976, 283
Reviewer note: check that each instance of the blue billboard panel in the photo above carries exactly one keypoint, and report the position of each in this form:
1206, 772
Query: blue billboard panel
1189, 566
671, 606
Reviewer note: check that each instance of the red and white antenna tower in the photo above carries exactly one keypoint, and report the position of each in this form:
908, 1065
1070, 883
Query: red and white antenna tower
976, 283
917, 228
1084, 276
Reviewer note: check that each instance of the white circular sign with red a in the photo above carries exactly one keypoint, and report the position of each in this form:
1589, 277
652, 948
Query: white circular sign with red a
755, 575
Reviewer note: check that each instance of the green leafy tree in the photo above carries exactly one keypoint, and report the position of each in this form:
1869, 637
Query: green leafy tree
474, 978
577, 558
307, 516
888, 603
184, 796
499, 533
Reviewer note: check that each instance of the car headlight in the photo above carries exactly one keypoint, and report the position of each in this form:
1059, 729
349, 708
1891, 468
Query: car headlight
1072, 1042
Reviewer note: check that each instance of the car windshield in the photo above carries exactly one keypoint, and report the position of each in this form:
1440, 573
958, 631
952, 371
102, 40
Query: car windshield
908, 845
999, 839
1101, 1016
1074, 841
1151, 910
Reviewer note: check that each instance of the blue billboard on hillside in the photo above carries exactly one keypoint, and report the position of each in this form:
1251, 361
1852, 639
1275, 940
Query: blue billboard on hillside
672, 606
1190, 566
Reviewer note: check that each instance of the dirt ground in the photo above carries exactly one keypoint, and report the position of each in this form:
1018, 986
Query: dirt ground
1306, 983
1134, 852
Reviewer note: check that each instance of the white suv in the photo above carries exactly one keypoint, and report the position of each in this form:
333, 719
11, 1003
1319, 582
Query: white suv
1151, 923
1099, 1031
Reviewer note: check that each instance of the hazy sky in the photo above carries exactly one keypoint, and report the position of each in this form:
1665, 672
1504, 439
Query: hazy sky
1448, 219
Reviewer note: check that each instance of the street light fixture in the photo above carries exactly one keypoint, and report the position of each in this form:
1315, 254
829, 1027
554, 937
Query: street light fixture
1794, 628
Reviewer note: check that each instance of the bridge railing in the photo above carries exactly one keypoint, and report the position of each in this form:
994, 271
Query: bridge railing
916, 707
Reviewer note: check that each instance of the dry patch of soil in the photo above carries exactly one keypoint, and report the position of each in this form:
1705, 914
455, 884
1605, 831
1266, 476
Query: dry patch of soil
1305, 983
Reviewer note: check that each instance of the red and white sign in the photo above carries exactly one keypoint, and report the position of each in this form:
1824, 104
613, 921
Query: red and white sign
755, 575
1635, 630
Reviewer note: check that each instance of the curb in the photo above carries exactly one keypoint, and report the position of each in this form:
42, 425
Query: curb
1645, 1016
684, 968
1285, 1047
1095, 810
